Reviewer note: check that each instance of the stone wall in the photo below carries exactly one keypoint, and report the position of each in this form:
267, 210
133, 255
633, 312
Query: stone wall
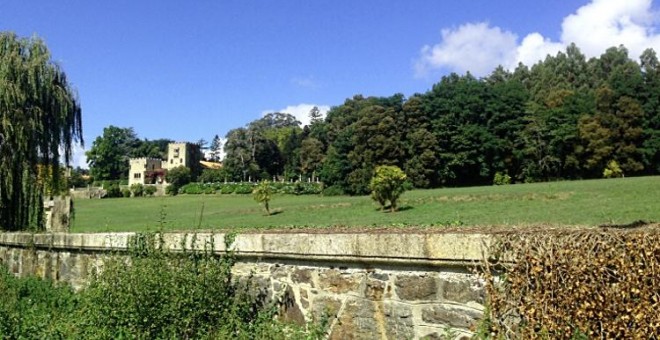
371, 286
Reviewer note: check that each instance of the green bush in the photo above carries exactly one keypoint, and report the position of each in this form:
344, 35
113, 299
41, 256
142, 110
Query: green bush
333, 190
501, 179
32, 308
177, 178
613, 170
298, 188
159, 295
137, 189
387, 185
213, 176
150, 190
226, 189
244, 188
126, 192
113, 191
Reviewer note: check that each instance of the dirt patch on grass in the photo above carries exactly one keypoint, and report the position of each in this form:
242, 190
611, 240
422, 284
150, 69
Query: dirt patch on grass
485, 229
560, 196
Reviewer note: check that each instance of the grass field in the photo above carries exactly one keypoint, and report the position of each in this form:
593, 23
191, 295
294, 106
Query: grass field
590, 202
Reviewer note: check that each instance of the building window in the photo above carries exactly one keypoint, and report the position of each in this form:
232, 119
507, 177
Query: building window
137, 175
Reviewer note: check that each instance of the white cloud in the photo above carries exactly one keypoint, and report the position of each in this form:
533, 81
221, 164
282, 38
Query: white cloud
300, 111
605, 23
471, 47
533, 48
479, 47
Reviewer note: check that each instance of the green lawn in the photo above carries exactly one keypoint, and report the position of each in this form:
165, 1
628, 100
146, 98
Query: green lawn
590, 202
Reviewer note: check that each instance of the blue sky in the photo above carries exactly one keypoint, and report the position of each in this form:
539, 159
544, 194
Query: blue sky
187, 70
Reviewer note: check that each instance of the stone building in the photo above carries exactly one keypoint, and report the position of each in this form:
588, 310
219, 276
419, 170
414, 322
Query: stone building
146, 171
153, 171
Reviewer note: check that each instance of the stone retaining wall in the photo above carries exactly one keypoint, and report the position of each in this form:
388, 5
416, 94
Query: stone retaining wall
373, 286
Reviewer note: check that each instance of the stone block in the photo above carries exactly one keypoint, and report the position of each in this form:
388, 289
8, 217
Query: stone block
332, 244
462, 289
391, 245
325, 305
357, 321
451, 315
302, 276
398, 321
304, 298
416, 287
374, 289
456, 247
290, 311
379, 276
279, 272
334, 281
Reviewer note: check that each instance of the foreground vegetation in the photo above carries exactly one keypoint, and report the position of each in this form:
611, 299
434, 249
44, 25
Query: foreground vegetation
591, 202
159, 296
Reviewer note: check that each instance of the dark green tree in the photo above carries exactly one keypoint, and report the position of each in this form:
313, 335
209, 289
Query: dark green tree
650, 99
40, 120
215, 148
176, 178
109, 154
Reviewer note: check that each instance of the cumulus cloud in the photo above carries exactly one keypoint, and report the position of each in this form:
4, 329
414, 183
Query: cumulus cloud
300, 111
480, 47
470, 47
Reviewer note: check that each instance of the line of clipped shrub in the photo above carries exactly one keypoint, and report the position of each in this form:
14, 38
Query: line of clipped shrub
575, 284
243, 188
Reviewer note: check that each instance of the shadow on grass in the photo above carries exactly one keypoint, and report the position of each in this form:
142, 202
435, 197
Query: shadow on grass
388, 210
276, 212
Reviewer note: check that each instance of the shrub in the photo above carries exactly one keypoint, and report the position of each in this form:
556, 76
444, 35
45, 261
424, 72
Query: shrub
34, 308
613, 170
244, 188
333, 190
150, 190
387, 185
177, 177
137, 189
574, 284
113, 191
227, 189
213, 176
160, 295
501, 178
126, 192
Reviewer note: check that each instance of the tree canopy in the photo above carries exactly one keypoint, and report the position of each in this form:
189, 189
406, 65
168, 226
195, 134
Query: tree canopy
40, 120
108, 157
566, 117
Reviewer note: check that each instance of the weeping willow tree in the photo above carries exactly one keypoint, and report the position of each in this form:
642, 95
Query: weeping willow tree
40, 120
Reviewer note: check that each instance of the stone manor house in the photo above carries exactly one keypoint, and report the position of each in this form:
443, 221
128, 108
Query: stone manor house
153, 170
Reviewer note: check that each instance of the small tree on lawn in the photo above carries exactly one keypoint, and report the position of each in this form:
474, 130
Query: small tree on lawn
387, 185
262, 193
612, 170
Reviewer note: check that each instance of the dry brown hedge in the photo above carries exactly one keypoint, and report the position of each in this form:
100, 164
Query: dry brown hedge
563, 284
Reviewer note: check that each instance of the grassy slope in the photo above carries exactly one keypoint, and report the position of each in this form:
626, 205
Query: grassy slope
589, 202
